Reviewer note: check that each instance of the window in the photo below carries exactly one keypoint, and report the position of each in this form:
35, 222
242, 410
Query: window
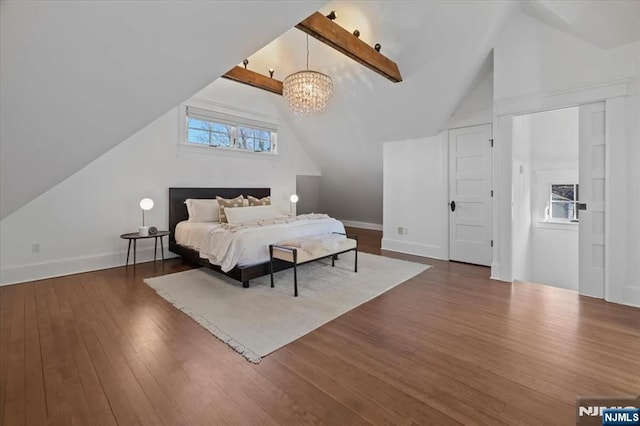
217, 130
563, 202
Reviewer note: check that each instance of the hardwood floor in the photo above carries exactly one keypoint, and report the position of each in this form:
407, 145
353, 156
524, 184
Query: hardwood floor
449, 346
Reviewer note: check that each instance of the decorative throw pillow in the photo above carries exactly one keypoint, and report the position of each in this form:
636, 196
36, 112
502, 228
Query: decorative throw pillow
203, 210
253, 201
225, 203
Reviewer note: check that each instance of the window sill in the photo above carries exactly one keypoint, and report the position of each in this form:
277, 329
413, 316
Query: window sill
562, 226
229, 152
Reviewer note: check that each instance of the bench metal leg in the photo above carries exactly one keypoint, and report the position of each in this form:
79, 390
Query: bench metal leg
333, 260
271, 263
356, 262
295, 273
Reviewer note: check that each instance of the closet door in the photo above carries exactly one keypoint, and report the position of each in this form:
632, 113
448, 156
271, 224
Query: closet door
592, 200
470, 194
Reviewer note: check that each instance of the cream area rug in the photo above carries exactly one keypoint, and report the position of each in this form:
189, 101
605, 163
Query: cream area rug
258, 320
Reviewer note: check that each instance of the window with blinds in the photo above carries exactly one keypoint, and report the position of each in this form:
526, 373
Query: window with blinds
217, 130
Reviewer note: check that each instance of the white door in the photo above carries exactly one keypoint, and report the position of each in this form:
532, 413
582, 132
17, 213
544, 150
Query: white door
592, 198
470, 194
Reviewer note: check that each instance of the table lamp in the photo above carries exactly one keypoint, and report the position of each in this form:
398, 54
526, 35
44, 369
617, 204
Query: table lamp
145, 204
294, 199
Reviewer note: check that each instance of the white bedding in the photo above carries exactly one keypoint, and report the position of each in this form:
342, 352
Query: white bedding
248, 246
191, 234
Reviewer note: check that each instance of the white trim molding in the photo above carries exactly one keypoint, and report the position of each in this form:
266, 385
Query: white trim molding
562, 98
468, 120
631, 296
362, 225
611, 92
57, 268
418, 249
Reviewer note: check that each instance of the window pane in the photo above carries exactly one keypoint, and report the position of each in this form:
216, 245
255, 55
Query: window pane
263, 134
562, 192
194, 123
220, 139
198, 136
562, 210
209, 131
250, 143
262, 145
222, 128
254, 139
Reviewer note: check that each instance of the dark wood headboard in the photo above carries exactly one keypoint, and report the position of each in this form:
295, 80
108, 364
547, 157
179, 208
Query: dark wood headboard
178, 210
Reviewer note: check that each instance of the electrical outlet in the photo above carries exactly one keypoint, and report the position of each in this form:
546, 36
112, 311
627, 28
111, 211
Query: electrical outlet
400, 229
406, 231
35, 248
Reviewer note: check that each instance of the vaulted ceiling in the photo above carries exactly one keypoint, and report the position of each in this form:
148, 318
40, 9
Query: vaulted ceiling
440, 48
77, 78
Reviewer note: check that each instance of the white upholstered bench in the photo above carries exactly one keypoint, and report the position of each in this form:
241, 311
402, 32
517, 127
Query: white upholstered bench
314, 247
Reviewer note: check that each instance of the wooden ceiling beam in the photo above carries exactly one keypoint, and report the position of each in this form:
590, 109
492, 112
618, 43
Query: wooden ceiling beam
322, 28
252, 78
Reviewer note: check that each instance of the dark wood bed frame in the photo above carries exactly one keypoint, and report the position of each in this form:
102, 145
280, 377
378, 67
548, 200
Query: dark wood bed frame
178, 213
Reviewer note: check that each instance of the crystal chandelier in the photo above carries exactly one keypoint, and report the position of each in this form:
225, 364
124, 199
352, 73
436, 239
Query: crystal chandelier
307, 91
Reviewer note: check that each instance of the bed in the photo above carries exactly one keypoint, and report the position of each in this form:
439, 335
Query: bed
249, 256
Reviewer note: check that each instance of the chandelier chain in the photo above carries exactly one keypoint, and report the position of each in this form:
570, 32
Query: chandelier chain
307, 51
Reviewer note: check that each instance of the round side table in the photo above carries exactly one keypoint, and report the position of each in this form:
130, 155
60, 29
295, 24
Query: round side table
134, 236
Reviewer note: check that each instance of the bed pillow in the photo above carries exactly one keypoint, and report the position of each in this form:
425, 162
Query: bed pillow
251, 214
203, 210
228, 203
253, 201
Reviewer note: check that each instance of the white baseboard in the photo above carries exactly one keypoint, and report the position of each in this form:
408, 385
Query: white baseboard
418, 249
632, 296
76, 265
362, 225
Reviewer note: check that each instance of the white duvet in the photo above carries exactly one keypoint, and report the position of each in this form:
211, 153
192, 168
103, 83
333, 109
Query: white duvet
248, 244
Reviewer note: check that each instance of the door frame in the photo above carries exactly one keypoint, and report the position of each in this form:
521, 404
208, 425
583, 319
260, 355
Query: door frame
612, 94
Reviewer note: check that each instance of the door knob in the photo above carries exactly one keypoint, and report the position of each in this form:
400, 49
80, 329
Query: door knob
453, 206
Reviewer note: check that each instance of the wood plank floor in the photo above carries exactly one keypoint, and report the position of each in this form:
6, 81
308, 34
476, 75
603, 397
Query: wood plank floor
449, 346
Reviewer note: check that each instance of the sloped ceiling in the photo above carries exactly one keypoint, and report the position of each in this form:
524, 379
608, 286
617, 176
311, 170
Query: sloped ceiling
440, 48
79, 77
603, 23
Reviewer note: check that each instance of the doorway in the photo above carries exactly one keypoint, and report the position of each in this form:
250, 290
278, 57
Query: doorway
545, 190
558, 197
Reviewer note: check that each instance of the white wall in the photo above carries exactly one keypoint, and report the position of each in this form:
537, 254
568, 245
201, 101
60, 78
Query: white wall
539, 67
308, 191
416, 195
554, 159
95, 72
438, 62
480, 100
532, 57
78, 222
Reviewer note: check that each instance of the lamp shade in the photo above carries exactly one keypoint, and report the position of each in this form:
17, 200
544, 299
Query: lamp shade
294, 198
146, 204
